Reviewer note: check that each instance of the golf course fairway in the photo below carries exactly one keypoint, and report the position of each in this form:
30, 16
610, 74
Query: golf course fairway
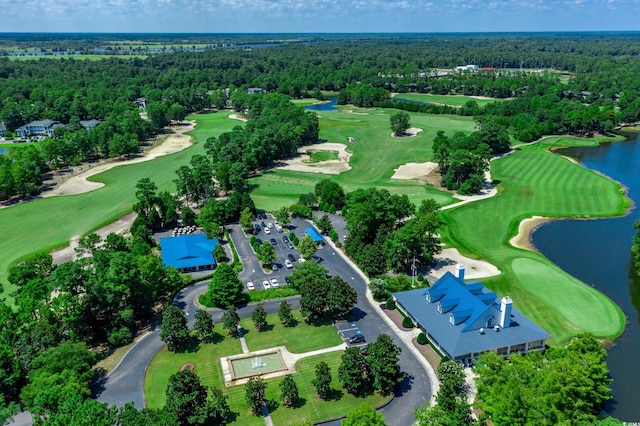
536, 182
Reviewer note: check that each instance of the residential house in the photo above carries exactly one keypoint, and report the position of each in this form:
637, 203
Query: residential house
38, 128
89, 124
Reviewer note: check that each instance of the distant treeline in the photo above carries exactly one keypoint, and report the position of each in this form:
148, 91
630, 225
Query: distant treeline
596, 90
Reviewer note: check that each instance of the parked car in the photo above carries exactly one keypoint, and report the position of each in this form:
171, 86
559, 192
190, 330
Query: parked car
278, 228
259, 241
291, 257
274, 283
285, 239
266, 285
316, 258
250, 286
287, 279
357, 338
270, 225
288, 264
290, 245
273, 242
267, 231
257, 227
302, 260
274, 267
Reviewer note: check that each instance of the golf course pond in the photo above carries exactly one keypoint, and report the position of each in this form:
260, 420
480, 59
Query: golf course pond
598, 252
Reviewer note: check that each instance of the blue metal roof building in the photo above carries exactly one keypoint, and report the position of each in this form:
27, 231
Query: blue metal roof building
188, 253
315, 235
465, 320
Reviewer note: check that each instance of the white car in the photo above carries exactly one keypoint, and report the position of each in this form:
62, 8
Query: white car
274, 283
302, 260
288, 264
270, 225
250, 286
266, 285
267, 230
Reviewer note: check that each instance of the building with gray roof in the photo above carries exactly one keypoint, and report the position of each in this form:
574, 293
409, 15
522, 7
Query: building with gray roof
38, 128
89, 124
465, 320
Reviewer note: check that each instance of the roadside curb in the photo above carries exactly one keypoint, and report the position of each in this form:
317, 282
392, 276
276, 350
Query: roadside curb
433, 378
135, 343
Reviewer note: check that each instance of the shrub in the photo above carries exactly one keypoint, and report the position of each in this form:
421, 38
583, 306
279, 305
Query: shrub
293, 238
390, 304
407, 323
338, 244
333, 235
421, 339
331, 208
420, 277
253, 241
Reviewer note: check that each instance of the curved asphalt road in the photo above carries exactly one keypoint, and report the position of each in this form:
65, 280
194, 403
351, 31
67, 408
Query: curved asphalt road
125, 384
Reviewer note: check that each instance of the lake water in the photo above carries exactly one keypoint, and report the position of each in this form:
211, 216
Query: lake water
327, 106
598, 252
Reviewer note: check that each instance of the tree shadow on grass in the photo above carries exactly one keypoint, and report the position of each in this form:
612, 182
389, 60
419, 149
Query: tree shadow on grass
334, 395
192, 346
272, 405
268, 327
216, 338
299, 403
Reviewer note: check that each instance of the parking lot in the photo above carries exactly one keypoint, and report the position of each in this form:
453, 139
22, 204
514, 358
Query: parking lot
253, 271
351, 334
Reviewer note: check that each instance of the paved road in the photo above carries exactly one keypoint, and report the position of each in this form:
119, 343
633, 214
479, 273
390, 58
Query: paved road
126, 382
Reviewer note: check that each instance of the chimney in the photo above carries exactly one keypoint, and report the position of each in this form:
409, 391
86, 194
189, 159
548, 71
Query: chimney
460, 271
505, 311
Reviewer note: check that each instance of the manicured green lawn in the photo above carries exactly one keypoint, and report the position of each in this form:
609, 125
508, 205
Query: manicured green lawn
375, 156
296, 339
207, 365
47, 223
451, 100
535, 181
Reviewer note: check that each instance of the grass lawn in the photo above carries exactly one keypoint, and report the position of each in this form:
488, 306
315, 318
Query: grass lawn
296, 339
535, 181
451, 100
375, 157
316, 156
207, 365
47, 223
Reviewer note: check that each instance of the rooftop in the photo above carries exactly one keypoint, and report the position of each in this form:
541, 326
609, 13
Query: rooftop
187, 251
315, 235
465, 318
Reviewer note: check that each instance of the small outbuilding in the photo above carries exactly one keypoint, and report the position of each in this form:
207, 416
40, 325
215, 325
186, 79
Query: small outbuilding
315, 235
189, 253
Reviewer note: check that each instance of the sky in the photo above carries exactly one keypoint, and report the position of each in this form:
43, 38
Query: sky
330, 16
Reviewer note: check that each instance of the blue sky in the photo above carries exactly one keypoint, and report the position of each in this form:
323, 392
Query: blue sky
223, 16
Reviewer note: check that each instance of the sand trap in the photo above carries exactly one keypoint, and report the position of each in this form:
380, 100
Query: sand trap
237, 117
68, 253
78, 184
330, 167
409, 133
527, 227
474, 269
414, 170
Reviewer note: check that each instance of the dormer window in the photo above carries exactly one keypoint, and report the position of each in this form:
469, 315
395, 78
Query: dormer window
440, 307
490, 321
452, 320
428, 297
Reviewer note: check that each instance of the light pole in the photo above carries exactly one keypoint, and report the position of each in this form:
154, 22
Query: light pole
414, 268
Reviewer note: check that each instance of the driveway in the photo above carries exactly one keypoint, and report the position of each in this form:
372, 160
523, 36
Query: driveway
126, 381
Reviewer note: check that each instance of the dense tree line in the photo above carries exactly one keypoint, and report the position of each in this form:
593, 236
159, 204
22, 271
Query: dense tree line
565, 385
387, 232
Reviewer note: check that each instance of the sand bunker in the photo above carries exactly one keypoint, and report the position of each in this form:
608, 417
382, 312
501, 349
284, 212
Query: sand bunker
474, 269
409, 133
330, 167
237, 117
527, 227
78, 184
414, 170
